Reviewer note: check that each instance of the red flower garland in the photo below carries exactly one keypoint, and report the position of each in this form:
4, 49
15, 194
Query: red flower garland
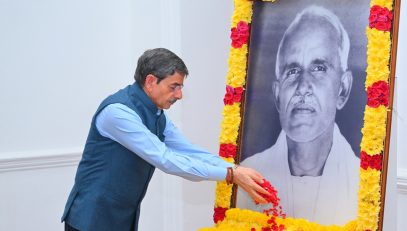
374, 162
240, 34
232, 95
378, 94
219, 214
227, 150
380, 18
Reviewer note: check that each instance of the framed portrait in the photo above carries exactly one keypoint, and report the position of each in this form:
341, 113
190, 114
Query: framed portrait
308, 105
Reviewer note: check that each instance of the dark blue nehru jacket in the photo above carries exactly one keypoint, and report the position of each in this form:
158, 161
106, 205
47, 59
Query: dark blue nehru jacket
111, 180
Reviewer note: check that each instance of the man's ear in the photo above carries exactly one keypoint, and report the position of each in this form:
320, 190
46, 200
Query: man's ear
149, 82
276, 92
344, 89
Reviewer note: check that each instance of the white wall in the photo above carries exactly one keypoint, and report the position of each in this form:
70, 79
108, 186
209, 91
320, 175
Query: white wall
205, 47
400, 113
60, 58
400, 110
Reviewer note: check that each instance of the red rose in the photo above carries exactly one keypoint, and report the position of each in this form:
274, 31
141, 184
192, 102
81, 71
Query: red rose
222, 150
231, 150
239, 90
219, 214
374, 162
380, 18
240, 34
237, 98
232, 95
378, 94
235, 33
383, 26
227, 150
372, 18
375, 9
238, 94
228, 99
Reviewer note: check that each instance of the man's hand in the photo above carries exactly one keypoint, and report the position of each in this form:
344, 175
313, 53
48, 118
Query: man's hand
248, 179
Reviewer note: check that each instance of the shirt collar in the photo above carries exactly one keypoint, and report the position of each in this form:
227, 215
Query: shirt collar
139, 93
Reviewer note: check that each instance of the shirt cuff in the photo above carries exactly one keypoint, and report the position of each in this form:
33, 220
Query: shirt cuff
219, 174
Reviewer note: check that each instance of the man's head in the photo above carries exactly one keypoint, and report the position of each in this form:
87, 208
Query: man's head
161, 74
313, 80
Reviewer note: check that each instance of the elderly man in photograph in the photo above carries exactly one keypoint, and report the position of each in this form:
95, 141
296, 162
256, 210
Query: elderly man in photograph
311, 164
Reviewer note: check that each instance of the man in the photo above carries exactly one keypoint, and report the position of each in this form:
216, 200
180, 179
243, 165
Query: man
129, 136
311, 164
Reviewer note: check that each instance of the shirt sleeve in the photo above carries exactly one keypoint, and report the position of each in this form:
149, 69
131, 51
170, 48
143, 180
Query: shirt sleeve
175, 140
121, 124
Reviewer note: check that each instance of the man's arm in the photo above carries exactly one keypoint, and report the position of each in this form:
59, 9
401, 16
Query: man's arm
175, 140
123, 125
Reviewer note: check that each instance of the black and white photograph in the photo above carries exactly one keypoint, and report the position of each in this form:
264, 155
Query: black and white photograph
304, 106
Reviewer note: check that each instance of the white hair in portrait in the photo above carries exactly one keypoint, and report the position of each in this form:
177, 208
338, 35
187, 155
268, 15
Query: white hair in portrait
331, 18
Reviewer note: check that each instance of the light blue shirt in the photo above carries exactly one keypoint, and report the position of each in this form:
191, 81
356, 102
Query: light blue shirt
176, 155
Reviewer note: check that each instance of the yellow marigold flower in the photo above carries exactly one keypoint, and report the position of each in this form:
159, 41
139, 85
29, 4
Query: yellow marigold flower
374, 130
242, 12
237, 66
222, 194
369, 199
237, 56
247, 216
351, 226
228, 136
382, 3
229, 159
378, 56
239, 79
233, 109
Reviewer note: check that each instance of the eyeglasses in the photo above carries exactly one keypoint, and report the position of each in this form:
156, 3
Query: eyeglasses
176, 87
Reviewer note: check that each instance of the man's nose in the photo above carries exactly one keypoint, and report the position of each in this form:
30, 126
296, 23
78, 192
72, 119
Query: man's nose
178, 94
304, 84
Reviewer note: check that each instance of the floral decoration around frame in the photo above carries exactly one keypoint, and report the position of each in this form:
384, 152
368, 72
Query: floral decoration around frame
376, 115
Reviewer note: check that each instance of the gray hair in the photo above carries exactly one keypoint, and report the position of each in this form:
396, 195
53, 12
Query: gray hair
331, 18
159, 62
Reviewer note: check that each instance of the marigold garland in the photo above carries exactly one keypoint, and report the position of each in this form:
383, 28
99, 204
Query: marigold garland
374, 129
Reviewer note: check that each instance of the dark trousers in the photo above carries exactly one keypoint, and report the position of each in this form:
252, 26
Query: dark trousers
69, 228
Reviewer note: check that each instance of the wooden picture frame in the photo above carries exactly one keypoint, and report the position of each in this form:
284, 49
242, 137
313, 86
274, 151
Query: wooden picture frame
256, 22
